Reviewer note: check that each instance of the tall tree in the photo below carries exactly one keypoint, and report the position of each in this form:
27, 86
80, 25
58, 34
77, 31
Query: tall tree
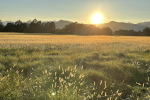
53, 27
1, 26
20, 26
146, 31
10, 27
106, 31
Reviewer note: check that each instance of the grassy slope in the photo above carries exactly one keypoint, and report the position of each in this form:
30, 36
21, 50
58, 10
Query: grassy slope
121, 63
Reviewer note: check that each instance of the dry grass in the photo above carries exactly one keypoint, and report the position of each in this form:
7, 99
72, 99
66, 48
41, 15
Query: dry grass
121, 61
104, 42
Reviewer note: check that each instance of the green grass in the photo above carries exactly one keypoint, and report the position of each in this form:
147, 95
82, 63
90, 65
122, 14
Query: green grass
74, 72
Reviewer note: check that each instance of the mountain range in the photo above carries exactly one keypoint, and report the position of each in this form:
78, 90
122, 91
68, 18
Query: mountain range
126, 26
113, 25
60, 24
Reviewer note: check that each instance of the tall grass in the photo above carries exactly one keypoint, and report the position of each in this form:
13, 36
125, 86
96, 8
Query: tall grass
74, 67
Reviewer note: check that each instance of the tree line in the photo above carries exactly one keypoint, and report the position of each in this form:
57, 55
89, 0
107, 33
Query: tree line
83, 29
36, 26
145, 32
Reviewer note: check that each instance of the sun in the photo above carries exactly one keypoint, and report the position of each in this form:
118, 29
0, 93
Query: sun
97, 18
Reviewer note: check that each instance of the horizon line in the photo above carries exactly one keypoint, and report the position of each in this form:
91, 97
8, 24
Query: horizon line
71, 21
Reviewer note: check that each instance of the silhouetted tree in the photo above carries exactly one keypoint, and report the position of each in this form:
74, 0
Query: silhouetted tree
20, 26
10, 27
68, 29
52, 27
39, 27
127, 32
1, 26
82, 29
139, 33
36, 26
47, 27
146, 31
106, 31
32, 27
90, 30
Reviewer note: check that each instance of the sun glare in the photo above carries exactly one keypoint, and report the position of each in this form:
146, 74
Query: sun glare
97, 18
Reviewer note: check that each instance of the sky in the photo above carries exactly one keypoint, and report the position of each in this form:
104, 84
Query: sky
133, 11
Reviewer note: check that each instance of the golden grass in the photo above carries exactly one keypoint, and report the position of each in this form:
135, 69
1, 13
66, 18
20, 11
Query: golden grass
103, 42
69, 39
76, 46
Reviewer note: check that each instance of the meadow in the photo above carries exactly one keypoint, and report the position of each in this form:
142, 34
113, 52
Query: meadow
74, 67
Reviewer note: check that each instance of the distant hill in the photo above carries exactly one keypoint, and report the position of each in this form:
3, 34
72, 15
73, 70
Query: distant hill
126, 26
60, 24
113, 25
145, 24
5, 22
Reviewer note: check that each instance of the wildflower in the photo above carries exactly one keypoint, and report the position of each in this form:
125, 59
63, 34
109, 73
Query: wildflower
102, 92
8, 75
117, 91
55, 78
63, 72
75, 67
2, 78
116, 98
105, 85
71, 74
55, 84
105, 94
61, 80
17, 72
22, 70
138, 83
45, 71
94, 83
82, 83
14, 66
82, 67
69, 84
101, 82
80, 76
50, 73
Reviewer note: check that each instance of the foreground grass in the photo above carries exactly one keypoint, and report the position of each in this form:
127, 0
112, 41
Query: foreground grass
74, 67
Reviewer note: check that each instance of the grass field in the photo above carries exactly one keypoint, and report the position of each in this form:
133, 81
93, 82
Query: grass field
74, 67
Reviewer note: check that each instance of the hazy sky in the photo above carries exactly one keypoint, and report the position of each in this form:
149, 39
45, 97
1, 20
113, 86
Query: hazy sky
75, 10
